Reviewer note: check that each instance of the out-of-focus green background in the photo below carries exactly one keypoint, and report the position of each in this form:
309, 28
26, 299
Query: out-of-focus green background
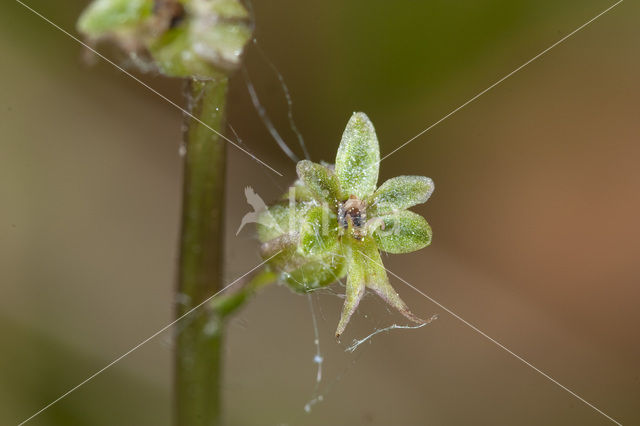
535, 217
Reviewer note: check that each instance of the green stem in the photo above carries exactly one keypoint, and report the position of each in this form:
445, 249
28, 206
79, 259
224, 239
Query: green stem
199, 343
226, 305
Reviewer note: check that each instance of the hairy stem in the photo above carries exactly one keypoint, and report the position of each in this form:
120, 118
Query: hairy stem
199, 342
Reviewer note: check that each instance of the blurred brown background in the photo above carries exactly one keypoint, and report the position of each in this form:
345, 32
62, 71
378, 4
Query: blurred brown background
535, 217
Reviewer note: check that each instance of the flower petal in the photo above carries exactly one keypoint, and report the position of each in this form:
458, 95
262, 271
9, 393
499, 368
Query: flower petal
319, 233
356, 276
401, 192
276, 220
403, 232
298, 192
117, 17
209, 40
358, 158
302, 260
376, 277
321, 181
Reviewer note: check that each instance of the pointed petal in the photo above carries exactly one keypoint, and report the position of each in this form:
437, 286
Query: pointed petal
403, 232
321, 181
354, 292
378, 281
401, 192
358, 158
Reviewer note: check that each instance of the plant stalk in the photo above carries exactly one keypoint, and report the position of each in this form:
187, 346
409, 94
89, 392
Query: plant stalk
199, 341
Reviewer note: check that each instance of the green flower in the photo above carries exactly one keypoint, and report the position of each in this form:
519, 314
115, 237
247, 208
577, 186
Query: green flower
183, 38
336, 222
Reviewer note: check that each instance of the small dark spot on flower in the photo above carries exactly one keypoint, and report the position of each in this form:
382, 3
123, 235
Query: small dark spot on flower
170, 11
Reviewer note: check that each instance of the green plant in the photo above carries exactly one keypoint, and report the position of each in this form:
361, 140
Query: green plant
201, 41
195, 39
337, 222
334, 224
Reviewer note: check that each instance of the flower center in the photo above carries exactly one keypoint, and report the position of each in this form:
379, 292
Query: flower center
354, 212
